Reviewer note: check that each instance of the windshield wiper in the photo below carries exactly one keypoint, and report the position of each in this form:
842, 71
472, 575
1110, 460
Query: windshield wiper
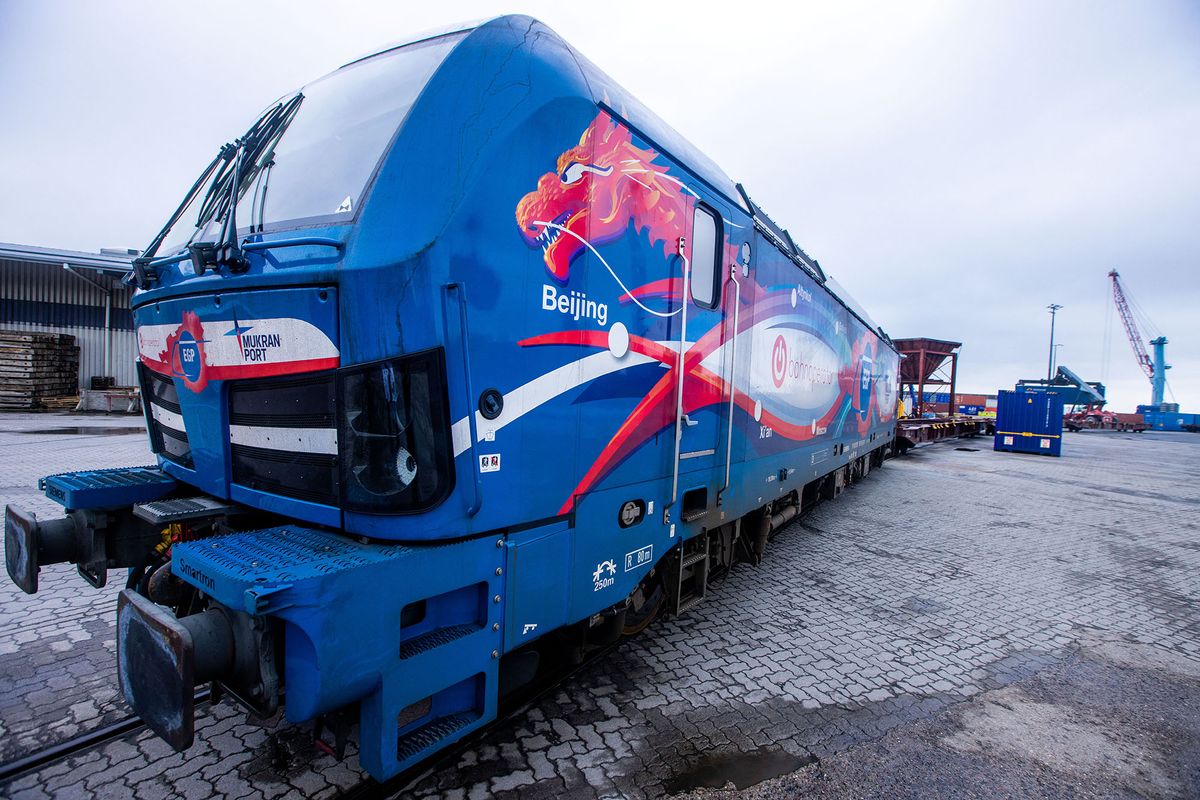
251, 146
260, 139
143, 273
258, 203
226, 177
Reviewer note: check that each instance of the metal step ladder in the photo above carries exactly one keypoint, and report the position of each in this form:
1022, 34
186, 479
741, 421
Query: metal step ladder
691, 575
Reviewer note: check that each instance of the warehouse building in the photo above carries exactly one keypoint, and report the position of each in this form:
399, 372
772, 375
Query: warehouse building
43, 290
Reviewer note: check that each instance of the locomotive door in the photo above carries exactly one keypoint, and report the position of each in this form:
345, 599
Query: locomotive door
700, 412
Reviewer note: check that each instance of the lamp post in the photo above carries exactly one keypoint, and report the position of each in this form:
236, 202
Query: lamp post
1054, 307
1054, 363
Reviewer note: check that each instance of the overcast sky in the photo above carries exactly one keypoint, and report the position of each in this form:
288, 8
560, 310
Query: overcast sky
957, 166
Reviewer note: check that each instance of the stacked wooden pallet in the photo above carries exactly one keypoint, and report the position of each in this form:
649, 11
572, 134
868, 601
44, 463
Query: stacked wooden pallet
34, 366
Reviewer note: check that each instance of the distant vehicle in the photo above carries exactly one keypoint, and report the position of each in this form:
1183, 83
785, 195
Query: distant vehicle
410, 351
1100, 419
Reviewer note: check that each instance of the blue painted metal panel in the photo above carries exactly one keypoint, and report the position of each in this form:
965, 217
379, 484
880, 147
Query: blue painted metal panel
1029, 422
539, 579
346, 643
202, 342
107, 488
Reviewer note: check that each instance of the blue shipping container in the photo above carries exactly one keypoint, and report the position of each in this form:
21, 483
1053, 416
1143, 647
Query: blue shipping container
1029, 423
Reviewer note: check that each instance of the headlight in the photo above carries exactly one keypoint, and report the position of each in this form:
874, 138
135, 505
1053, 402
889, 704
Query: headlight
395, 448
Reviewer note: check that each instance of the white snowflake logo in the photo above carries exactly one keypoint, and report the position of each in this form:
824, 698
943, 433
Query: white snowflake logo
605, 567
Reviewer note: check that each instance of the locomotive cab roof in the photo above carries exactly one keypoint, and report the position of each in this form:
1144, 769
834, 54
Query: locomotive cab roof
477, 82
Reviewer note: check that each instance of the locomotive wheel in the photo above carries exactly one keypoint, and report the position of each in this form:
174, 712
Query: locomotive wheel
637, 619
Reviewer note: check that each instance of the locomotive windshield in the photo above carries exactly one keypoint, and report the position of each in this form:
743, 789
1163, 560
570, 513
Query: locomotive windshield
318, 166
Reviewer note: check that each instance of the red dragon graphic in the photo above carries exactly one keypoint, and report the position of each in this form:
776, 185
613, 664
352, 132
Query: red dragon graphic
602, 186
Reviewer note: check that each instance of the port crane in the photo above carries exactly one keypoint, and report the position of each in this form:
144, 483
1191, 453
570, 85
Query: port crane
1156, 367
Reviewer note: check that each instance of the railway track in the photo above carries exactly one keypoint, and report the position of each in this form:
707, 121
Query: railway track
76, 744
367, 790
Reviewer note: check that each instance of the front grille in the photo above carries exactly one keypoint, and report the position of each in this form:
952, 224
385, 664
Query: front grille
164, 418
294, 402
304, 476
282, 435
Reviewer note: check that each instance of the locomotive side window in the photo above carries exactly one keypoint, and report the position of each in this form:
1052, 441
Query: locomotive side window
706, 256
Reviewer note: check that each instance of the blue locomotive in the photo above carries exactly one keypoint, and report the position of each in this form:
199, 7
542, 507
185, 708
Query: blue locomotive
458, 356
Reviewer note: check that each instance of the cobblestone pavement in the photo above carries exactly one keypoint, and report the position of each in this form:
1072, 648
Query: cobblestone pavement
57, 648
951, 573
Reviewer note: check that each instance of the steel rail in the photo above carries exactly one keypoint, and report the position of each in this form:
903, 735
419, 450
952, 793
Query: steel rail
76, 744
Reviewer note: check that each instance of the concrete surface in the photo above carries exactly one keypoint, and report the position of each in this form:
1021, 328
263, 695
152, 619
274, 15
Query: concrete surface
963, 623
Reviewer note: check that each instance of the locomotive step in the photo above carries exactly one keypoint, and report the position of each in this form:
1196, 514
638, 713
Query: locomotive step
163, 512
689, 604
691, 578
246, 568
107, 488
435, 638
427, 736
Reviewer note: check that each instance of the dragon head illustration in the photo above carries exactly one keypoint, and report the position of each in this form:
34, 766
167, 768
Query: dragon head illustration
601, 186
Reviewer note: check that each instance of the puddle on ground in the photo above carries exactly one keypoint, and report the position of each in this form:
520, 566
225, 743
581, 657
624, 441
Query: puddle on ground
80, 430
741, 769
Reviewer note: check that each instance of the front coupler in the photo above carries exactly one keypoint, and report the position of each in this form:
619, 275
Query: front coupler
162, 659
98, 532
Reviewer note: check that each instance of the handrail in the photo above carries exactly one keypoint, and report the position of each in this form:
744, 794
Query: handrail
167, 260
737, 306
461, 307
250, 247
299, 241
687, 274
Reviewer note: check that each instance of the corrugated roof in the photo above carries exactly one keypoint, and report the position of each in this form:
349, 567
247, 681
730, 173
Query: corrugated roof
57, 257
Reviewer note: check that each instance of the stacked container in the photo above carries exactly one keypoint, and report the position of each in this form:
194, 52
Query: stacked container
1029, 423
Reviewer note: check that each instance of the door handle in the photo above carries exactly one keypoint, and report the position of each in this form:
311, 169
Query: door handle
689, 421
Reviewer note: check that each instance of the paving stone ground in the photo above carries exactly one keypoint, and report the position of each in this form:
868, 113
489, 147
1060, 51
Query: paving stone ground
948, 576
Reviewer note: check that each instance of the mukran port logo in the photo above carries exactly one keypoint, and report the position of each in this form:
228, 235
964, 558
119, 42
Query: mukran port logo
198, 352
255, 348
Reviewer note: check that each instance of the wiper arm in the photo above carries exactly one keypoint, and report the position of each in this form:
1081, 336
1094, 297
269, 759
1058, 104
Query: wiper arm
252, 144
258, 203
227, 253
226, 179
142, 273
258, 140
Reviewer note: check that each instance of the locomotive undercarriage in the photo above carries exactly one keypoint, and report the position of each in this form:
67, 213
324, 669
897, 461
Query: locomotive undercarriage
219, 594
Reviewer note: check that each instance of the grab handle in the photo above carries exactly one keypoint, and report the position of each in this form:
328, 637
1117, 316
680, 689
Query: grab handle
459, 291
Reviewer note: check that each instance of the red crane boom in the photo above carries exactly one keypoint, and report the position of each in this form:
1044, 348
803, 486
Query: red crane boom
1131, 329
